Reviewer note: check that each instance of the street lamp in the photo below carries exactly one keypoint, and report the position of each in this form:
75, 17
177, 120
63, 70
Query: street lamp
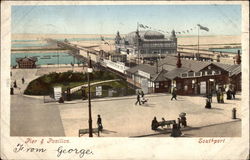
89, 70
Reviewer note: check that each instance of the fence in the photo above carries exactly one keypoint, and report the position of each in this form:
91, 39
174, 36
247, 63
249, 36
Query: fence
118, 92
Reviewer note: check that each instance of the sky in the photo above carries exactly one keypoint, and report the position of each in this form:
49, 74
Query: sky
108, 19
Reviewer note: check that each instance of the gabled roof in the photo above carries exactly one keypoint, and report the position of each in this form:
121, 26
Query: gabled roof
160, 76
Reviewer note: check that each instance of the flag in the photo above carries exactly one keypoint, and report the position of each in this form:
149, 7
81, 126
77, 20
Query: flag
203, 28
102, 39
141, 25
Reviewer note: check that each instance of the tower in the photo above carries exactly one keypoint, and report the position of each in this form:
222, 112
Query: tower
174, 41
117, 38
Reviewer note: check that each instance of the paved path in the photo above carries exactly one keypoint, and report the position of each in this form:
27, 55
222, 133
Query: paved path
75, 89
227, 129
31, 117
122, 118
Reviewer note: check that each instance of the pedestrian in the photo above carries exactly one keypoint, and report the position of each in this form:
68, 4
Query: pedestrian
176, 132
179, 123
99, 123
23, 80
210, 97
15, 84
174, 94
11, 90
221, 97
233, 92
184, 121
218, 96
154, 124
142, 94
162, 122
138, 100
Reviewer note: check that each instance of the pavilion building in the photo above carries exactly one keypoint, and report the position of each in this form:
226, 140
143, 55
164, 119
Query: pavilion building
146, 44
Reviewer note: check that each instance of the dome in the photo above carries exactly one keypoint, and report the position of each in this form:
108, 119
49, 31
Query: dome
153, 35
149, 34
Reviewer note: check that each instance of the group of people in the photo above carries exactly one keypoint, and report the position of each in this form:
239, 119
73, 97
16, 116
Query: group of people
140, 98
231, 93
182, 121
220, 96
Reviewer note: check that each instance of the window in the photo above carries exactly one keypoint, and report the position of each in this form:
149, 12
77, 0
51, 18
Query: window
209, 72
197, 74
184, 74
157, 85
190, 74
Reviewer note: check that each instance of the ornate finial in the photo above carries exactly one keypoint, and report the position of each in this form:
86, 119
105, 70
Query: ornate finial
178, 64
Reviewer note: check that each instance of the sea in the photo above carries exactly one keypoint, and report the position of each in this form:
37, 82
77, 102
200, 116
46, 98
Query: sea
46, 58
226, 50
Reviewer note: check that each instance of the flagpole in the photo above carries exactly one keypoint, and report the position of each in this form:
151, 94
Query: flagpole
198, 39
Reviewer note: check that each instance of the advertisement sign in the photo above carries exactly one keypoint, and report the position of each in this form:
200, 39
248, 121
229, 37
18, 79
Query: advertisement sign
57, 92
98, 91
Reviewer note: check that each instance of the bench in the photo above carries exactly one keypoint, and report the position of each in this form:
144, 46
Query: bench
168, 123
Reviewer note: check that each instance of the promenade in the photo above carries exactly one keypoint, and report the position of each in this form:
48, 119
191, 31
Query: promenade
122, 118
30, 116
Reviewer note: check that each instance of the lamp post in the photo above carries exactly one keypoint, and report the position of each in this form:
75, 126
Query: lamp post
89, 70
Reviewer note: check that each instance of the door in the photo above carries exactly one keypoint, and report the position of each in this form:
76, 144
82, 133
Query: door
203, 87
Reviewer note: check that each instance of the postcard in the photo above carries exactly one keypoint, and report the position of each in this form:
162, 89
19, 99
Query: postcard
124, 80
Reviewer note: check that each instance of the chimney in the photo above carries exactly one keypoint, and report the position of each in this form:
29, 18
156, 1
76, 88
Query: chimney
178, 64
238, 58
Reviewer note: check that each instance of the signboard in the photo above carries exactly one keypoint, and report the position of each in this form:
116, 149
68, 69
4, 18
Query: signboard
203, 88
118, 66
98, 91
144, 74
57, 92
144, 86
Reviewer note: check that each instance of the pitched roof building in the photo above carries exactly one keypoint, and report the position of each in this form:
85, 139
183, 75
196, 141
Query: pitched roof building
191, 77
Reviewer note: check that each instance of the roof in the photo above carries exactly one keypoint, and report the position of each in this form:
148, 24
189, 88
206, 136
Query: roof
190, 64
235, 71
34, 59
160, 76
170, 71
175, 73
193, 64
149, 34
143, 67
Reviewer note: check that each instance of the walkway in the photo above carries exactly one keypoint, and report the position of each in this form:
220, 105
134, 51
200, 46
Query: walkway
75, 89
